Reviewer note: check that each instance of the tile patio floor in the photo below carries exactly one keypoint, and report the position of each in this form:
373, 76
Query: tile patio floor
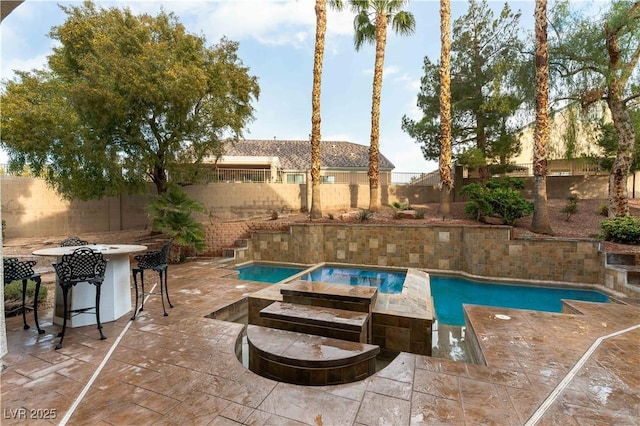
182, 369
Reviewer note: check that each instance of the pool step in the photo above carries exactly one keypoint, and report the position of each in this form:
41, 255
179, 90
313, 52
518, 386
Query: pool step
306, 359
318, 320
339, 296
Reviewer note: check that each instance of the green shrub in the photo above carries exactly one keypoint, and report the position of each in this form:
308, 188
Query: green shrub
571, 207
499, 198
420, 213
13, 292
603, 209
364, 215
624, 230
400, 206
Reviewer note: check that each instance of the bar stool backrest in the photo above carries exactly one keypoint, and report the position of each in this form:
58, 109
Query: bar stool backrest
73, 241
15, 269
154, 258
82, 265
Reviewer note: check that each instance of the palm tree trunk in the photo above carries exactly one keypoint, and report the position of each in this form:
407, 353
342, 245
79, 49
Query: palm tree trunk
374, 147
321, 27
446, 181
540, 222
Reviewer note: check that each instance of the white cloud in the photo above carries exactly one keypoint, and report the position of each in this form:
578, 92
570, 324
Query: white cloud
268, 22
410, 83
386, 72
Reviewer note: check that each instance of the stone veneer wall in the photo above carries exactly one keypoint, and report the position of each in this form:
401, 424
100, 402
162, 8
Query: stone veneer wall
478, 250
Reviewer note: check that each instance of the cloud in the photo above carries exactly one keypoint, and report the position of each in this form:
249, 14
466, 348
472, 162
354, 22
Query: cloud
410, 83
386, 72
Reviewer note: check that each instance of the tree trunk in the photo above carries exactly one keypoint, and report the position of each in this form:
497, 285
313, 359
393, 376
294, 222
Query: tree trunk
374, 147
618, 192
321, 27
159, 178
540, 222
446, 181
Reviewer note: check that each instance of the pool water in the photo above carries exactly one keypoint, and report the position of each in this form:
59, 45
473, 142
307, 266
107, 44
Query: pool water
386, 281
449, 294
267, 273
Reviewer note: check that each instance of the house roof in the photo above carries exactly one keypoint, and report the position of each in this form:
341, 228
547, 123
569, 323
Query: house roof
296, 154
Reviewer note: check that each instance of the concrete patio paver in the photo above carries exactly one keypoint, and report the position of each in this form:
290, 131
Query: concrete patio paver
182, 369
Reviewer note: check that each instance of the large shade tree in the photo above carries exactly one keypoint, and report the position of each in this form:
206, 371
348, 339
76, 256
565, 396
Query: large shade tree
125, 99
371, 22
318, 57
597, 60
486, 94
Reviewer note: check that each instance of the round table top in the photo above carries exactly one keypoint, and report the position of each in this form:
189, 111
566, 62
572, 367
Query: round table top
105, 249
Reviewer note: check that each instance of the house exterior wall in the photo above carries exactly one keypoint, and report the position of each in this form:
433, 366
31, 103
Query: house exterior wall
557, 147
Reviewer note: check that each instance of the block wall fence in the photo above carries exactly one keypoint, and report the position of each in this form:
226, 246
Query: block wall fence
32, 209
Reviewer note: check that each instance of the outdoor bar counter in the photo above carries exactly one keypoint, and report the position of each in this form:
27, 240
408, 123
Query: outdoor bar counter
115, 299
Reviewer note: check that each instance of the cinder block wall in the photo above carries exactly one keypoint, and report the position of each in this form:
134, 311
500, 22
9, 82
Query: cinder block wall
32, 209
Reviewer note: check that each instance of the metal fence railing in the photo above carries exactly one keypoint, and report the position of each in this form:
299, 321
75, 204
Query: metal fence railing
360, 177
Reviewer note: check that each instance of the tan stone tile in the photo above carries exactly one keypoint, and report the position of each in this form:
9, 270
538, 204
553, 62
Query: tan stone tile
382, 409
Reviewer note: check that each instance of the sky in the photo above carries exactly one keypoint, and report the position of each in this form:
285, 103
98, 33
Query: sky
276, 41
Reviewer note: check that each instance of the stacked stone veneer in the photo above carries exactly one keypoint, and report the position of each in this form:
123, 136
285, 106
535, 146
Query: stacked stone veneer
478, 250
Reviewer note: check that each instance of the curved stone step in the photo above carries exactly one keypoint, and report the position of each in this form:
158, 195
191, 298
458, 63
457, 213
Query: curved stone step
307, 359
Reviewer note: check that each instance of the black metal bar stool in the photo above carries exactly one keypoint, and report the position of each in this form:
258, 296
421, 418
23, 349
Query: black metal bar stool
73, 241
82, 266
155, 260
17, 270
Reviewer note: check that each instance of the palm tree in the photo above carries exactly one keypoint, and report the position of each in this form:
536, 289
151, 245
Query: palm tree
446, 181
372, 18
321, 28
540, 222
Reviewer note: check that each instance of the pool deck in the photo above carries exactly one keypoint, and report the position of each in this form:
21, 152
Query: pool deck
542, 368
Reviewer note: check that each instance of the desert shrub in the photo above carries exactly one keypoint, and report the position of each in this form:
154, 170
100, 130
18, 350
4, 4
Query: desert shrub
603, 209
572, 207
499, 198
420, 213
330, 216
364, 215
400, 206
13, 291
624, 230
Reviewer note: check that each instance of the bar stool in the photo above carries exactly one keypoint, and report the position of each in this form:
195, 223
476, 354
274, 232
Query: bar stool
16, 270
82, 266
155, 260
73, 241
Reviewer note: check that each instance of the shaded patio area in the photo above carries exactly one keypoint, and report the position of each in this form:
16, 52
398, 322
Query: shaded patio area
182, 369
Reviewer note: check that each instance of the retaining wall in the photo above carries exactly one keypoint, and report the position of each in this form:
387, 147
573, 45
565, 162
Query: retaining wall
486, 251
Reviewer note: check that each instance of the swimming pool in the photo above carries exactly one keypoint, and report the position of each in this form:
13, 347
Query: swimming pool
450, 293
386, 281
267, 273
